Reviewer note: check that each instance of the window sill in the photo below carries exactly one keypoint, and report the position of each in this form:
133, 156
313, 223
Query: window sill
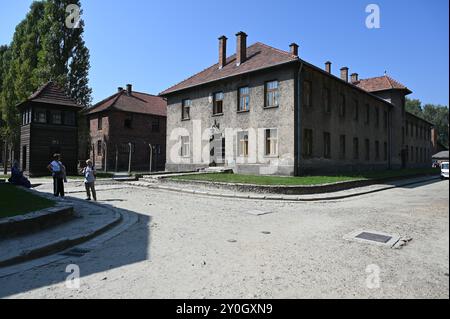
185, 120
271, 156
271, 107
217, 115
245, 111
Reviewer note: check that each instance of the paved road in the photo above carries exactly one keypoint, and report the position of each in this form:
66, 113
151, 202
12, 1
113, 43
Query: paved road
187, 246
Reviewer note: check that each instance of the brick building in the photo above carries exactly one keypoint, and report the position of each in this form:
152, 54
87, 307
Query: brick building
128, 120
267, 111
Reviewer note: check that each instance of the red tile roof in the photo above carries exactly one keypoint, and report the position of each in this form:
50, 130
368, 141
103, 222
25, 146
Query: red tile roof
380, 83
137, 102
259, 56
51, 93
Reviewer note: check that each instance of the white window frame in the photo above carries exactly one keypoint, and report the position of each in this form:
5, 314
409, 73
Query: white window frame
243, 143
185, 146
273, 142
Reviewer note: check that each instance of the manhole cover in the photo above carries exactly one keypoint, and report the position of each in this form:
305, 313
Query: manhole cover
374, 237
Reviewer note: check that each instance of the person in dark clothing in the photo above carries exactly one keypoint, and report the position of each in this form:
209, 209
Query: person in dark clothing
17, 177
59, 175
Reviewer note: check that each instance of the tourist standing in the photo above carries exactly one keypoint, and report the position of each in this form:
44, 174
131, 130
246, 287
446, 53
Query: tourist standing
89, 180
59, 175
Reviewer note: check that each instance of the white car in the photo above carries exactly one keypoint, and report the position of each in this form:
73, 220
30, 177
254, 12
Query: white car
444, 170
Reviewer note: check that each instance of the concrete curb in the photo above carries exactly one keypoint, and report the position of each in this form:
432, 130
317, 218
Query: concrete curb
35, 221
285, 197
62, 243
288, 189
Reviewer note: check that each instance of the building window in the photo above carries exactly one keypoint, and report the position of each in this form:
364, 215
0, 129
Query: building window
185, 146
342, 147
155, 126
417, 131
403, 135
326, 145
342, 106
272, 94
377, 117
128, 123
100, 123
355, 110
69, 118
367, 149
186, 109
367, 114
407, 128
326, 100
412, 154
355, 148
377, 150
307, 93
417, 154
307, 143
271, 142
56, 118
244, 99
99, 148
386, 151
40, 116
243, 144
218, 103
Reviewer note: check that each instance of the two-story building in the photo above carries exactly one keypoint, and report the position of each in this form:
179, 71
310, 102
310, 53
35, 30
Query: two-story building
267, 111
128, 122
49, 126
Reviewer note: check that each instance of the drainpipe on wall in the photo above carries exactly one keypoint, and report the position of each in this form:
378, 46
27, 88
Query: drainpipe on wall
390, 138
106, 155
151, 156
298, 122
129, 159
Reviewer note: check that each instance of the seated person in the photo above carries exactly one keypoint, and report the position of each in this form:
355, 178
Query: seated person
17, 177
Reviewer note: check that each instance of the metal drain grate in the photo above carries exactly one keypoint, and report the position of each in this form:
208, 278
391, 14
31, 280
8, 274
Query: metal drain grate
76, 252
374, 237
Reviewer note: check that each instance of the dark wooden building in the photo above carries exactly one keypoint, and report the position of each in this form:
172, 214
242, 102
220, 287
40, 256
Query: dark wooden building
128, 120
49, 126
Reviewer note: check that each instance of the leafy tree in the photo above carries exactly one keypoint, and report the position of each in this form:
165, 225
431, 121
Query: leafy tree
64, 57
414, 107
436, 114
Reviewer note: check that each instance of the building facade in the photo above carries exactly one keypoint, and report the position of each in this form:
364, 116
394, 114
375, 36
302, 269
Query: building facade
128, 122
266, 111
49, 126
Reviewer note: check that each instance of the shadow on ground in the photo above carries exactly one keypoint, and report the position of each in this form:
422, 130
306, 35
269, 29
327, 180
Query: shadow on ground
129, 247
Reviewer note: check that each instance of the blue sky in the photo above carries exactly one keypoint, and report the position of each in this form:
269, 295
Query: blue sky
155, 44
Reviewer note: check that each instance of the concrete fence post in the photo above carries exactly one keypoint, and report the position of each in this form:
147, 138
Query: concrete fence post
151, 156
129, 158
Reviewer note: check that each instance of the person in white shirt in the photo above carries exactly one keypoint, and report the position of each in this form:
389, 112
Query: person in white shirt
59, 174
89, 180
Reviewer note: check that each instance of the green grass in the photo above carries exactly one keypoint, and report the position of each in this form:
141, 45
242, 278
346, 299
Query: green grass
304, 180
15, 201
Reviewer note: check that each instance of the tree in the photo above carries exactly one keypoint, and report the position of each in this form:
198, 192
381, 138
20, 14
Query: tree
414, 106
436, 114
64, 57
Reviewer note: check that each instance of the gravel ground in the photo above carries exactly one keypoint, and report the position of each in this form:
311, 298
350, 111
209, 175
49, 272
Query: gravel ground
188, 246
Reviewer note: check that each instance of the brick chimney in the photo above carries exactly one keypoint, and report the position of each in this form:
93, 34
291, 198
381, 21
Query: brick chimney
294, 49
129, 89
328, 67
222, 51
241, 48
354, 77
119, 89
344, 74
